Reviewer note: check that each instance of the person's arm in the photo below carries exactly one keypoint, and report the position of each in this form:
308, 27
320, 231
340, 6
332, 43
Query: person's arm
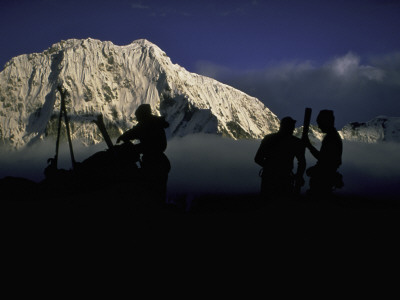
301, 164
314, 151
128, 135
259, 158
301, 167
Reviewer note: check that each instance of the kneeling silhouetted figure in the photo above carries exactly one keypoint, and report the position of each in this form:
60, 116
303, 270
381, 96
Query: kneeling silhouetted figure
150, 131
276, 154
324, 176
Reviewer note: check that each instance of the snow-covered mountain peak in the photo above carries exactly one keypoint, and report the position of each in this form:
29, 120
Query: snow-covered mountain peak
144, 42
379, 129
114, 80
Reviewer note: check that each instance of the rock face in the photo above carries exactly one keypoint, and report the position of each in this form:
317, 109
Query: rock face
114, 80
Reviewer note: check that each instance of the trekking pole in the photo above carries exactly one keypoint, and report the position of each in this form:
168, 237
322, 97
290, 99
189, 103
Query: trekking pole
64, 110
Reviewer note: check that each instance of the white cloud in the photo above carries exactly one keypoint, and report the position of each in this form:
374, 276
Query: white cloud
345, 65
357, 91
349, 66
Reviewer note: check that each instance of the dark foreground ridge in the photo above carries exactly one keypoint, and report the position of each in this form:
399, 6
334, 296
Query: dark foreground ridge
211, 219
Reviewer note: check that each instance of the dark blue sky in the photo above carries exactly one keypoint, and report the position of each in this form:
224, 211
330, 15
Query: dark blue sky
239, 34
235, 36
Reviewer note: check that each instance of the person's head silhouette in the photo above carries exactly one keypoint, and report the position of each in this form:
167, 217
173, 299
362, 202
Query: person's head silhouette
287, 125
143, 112
326, 120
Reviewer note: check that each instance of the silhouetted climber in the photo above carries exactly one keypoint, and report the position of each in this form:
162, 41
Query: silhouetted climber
324, 176
153, 142
276, 155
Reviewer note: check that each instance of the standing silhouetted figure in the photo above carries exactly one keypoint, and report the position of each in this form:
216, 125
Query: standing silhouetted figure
276, 155
324, 176
150, 131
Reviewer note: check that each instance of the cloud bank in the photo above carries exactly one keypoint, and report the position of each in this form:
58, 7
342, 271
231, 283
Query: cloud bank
208, 164
354, 89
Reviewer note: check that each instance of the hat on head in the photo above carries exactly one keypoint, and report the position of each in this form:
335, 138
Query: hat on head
143, 111
288, 121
